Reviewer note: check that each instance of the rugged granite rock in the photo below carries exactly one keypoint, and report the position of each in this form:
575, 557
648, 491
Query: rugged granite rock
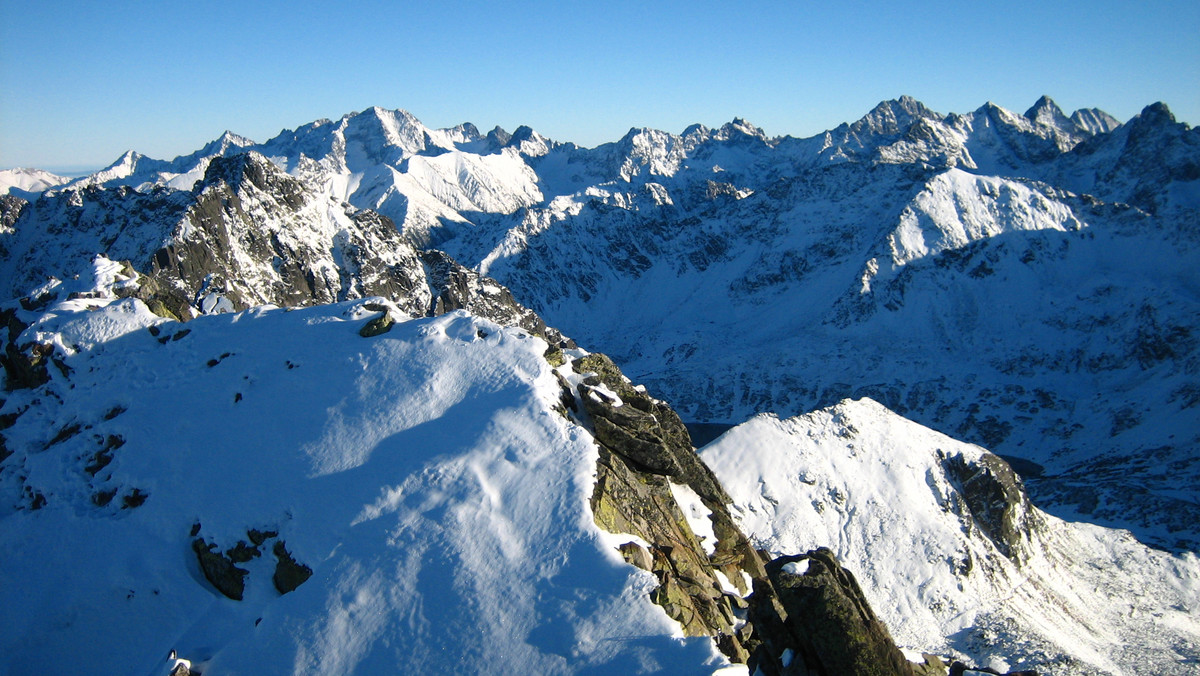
644, 449
996, 498
246, 234
757, 610
814, 608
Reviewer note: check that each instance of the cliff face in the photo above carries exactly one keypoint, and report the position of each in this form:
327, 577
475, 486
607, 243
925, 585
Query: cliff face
650, 483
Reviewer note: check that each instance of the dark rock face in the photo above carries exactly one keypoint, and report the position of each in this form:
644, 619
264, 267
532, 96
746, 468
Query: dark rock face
647, 432
643, 449
455, 287
289, 573
822, 616
24, 365
10, 210
248, 234
219, 570
997, 501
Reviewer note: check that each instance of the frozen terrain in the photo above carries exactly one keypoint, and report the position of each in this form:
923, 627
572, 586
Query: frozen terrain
1025, 282
882, 493
421, 475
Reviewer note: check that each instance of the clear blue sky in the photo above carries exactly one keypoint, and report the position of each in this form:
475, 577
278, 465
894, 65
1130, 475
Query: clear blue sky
81, 82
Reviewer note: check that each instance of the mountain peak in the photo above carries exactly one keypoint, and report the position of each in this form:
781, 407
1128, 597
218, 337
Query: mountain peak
1094, 121
254, 169
739, 127
224, 142
1157, 113
1045, 111
129, 157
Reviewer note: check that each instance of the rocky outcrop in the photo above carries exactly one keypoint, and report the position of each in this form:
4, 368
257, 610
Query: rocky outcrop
455, 287
221, 570
25, 364
998, 504
249, 234
644, 449
810, 616
289, 573
780, 618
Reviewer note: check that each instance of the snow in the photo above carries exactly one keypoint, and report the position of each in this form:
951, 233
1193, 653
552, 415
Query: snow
23, 181
699, 517
872, 487
938, 263
796, 567
423, 475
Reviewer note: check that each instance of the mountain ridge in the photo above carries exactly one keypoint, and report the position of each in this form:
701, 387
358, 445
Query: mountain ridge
1020, 281
744, 222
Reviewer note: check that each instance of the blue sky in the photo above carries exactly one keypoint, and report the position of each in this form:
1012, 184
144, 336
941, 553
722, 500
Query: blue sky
81, 82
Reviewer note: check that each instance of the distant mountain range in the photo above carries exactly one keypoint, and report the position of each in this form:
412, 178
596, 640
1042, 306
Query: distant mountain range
1022, 282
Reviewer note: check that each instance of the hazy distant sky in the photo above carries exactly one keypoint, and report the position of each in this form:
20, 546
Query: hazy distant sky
84, 81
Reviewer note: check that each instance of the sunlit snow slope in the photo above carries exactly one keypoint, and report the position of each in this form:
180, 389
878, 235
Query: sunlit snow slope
883, 493
420, 475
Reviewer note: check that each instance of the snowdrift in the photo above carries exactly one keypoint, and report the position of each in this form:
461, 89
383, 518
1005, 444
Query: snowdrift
421, 477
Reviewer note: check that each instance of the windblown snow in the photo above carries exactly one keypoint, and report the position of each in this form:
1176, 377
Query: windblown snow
423, 476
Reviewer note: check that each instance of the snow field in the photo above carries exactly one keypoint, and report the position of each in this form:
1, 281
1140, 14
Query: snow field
422, 475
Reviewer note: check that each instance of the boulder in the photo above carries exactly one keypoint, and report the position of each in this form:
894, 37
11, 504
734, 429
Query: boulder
815, 614
219, 570
289, 573
999, 506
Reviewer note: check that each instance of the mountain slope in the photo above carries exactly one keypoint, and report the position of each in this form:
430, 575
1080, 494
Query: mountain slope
951, 553
735, 273
429, 491
1023, 281
421, 477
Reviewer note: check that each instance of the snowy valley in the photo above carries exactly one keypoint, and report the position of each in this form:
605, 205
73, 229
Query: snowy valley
354, 363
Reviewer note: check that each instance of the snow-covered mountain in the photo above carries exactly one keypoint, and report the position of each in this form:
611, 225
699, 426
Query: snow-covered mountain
28, 182
953, 556
409, 500
1025, 282
347, 488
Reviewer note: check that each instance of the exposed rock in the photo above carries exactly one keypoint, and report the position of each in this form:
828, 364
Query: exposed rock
799, 621
643, 429
219, 570
998, 502
454, 287
242, 552
636, 555
959, 669
21, 370
257, 537
289, 573
24, 367
377, 326
933, 666
135, 498
821, 615
643, 448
